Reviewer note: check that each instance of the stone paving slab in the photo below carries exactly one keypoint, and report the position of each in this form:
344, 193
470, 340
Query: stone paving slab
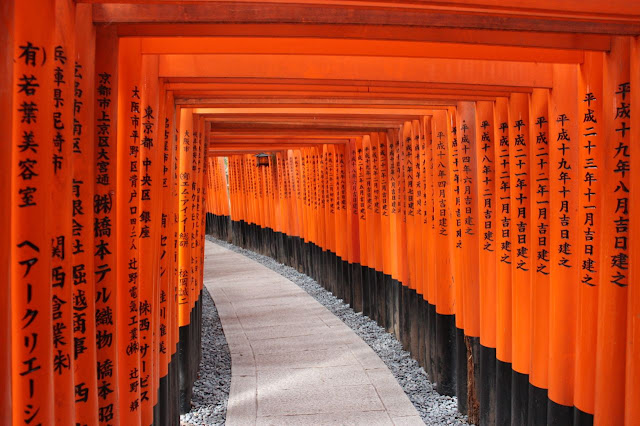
293, 362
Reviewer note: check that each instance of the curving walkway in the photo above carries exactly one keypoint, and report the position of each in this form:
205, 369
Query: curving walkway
292, 361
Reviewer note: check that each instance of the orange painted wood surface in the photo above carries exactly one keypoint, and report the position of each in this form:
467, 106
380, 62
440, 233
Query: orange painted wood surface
480, 153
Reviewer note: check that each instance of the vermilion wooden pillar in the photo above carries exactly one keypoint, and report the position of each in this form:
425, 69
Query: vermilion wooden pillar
362, 215
424, 215
184, 211
457, 268
468, 240
504, 260
166, 279
590, 145
185, 225
279, 200
539, 140
6, 110
445, 297
368, 141
150, 217
354, 255
232, 201
130, 112
468, 182
331, 213
468, 146
174, 235
323, 203
60, 231
393, 152
199, 219
404, 143
455, 237
521, 266
224, 189
332, 206
485, 160
408, 202
196, 137
418, 139
311, 194
30, 171
83, 219
385, 226
305, 221
564, 164
236, 214
430, 249
309, 191
632, 371
105, 204
376, 301
401, 170
292, 185
614, 244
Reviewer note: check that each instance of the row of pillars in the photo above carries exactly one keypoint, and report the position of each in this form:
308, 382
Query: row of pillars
103, 219
494, 238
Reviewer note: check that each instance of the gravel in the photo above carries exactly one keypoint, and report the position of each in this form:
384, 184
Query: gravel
435, 409
211, 389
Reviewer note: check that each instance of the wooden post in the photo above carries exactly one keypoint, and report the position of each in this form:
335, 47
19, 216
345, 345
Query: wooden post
105, 206
60, 232
128, 211
487, 228
614, 244
539, 140
83, 220
632, 371
445, 297
30, 171
563, 167
520, 220
504, 261
6, 160
591, 154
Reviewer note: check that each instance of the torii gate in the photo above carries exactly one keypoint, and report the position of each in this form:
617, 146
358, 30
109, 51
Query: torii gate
515, 234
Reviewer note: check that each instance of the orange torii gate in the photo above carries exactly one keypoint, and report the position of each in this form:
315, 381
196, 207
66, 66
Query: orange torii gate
464, 174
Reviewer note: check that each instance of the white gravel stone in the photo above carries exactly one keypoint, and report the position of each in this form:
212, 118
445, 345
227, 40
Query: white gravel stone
211, 390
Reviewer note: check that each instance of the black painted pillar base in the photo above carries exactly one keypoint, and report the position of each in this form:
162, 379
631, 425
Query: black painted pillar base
488, 386
366, 288
356, 282
519, 398
381, 299
503, 393
388, 304
346, 274
537, 407
558, 414
461, 371
431, 337
184, 348
445, 354
397, 299
422, 332
580, 418
405, 317
414, 321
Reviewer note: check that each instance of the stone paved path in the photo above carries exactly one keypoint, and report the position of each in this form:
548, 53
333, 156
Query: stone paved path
292, 361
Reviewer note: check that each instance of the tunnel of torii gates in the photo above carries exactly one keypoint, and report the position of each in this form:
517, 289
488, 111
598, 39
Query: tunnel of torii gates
463, 173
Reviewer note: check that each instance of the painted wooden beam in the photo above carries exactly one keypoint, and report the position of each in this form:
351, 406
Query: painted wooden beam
600, 21
432, 70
